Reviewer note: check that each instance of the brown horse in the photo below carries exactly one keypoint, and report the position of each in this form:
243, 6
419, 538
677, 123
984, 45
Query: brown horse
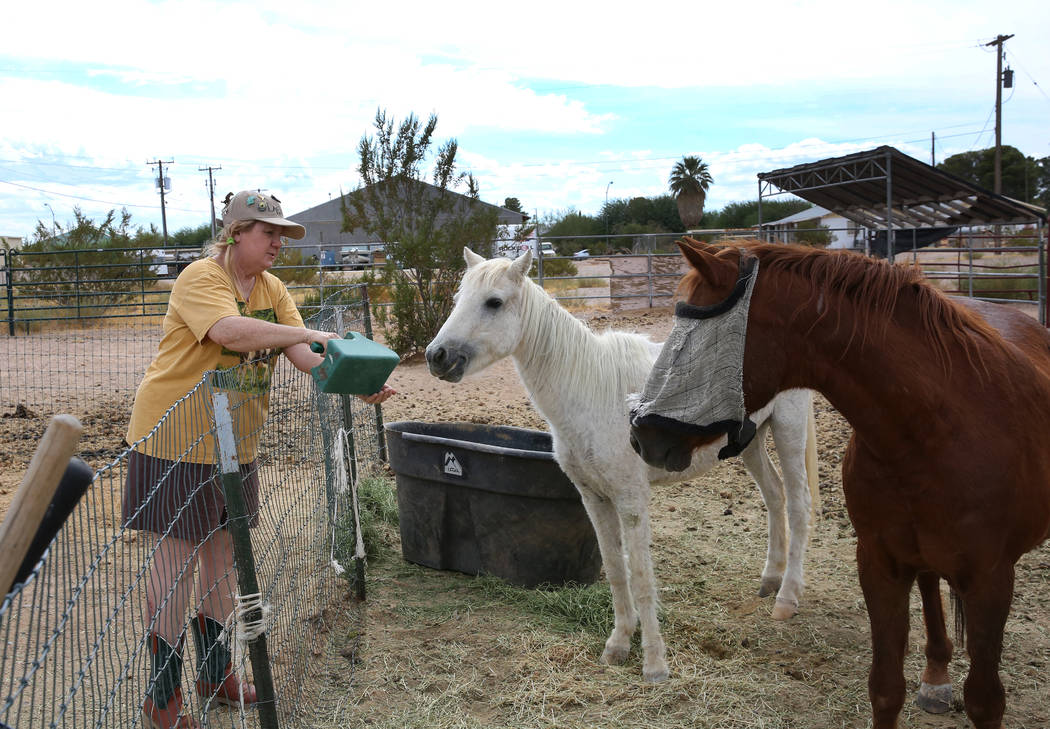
947, 474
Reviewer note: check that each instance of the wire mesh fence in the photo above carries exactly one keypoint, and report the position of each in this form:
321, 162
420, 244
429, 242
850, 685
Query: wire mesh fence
77, 635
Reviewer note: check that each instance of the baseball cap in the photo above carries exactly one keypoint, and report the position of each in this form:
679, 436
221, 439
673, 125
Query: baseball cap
255, 205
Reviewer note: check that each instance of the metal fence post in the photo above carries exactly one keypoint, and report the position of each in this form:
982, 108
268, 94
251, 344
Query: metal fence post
9, 275
380, 430
247, 581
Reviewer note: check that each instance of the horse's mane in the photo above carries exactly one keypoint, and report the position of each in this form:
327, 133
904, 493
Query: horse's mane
875, 288
563, 350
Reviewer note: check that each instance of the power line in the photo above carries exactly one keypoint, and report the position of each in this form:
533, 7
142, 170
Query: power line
87, 199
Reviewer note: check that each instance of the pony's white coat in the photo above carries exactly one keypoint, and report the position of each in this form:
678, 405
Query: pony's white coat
579, 382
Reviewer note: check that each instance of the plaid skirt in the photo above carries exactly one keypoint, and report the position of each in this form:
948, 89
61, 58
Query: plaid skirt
185, 500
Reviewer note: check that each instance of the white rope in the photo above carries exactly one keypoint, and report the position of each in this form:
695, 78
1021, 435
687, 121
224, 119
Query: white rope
244, 631
341, 485
359, 547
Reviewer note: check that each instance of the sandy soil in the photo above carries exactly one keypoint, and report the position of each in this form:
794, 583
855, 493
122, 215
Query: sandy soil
429, 649
708, 532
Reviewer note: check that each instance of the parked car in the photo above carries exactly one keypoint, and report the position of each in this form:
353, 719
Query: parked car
584, 253
546, 249
355, 257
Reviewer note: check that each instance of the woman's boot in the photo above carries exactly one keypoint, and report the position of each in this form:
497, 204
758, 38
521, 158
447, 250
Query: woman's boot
216, 679
162, 708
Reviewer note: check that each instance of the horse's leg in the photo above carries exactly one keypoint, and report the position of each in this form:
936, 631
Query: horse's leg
756, 460
607, 530
935, 691
886, 586
986, 602
633, 509
790, 434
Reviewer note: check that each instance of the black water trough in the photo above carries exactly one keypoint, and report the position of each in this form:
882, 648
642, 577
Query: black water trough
486, 499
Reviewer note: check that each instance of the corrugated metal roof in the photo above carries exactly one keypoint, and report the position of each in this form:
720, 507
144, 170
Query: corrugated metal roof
857, 187
812, 213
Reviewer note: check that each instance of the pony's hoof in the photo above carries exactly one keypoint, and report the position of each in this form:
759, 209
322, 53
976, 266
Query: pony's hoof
615, 655
784, 609
769, 586
935, 699
657, 673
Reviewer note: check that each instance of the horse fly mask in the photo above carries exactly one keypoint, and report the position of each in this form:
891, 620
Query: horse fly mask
696, 385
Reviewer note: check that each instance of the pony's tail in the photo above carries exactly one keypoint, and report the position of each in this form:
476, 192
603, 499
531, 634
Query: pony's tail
812, 465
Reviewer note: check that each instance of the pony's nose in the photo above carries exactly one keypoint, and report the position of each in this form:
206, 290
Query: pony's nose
436, 357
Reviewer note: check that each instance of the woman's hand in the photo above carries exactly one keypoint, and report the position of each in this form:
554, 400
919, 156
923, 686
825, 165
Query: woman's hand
314, 335
383, 395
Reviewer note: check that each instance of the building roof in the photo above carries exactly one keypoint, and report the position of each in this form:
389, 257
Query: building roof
814, 213
324, 222
858, 186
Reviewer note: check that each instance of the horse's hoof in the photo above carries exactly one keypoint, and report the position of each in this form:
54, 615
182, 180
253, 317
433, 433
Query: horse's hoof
784, 609
615, 655
769, 586
657, 673
935, 699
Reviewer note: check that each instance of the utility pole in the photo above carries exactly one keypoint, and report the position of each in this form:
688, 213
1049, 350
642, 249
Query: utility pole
211, 194
161, 181
933, 149
998, 43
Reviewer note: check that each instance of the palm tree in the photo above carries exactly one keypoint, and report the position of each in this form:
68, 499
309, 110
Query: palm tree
689, 181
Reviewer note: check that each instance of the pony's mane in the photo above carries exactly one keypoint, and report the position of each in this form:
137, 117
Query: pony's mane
582, 353
875, 288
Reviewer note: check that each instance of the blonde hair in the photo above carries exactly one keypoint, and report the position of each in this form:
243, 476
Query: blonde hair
223, 241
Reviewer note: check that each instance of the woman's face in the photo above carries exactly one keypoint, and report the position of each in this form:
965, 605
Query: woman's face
257, 247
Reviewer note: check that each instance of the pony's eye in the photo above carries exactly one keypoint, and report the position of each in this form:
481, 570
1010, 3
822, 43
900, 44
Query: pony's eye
494, 303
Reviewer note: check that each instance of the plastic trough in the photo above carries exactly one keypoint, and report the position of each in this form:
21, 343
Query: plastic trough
485, 499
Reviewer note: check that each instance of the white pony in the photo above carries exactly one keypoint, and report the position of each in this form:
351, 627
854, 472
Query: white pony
579, 382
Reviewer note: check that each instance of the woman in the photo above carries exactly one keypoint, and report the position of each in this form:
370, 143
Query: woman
226, 313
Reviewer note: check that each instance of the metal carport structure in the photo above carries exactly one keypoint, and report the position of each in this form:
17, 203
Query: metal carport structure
884, 189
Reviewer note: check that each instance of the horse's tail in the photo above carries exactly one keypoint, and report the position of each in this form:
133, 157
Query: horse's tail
811, 464
960, 618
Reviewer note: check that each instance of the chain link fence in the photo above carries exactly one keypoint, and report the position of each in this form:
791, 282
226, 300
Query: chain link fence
75, 651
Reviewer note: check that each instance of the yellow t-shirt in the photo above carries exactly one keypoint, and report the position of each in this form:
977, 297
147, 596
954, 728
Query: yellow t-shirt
202, 295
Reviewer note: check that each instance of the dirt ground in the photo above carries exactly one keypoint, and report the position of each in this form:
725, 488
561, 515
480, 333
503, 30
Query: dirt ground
427, 650
430, 648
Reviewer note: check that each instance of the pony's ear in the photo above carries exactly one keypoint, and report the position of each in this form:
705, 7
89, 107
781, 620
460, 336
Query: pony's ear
706, 260
521, 264
471, 257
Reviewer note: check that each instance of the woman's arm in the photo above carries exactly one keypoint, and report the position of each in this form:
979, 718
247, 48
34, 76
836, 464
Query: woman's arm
302, 357
245, 334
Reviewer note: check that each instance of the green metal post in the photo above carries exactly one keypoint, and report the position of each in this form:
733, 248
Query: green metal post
247, 581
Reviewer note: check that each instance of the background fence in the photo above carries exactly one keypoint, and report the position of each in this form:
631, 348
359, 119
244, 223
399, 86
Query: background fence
88, 289
74, 635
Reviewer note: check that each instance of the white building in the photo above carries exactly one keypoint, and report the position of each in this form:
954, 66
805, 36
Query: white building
844, 233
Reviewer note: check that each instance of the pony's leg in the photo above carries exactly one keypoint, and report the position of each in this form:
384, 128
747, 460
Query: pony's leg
633, 509
607, 530
935, 691
986, 603
756, 460
886, 586
790, 435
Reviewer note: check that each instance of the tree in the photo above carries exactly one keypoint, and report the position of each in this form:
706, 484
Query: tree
1023, 178
424, 226
1042, 182
513, 203
575, 223
88, 264
745, 214
689, 182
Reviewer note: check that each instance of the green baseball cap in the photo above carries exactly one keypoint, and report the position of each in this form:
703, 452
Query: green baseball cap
255, 205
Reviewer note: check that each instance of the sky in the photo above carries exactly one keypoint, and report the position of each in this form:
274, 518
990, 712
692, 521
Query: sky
563, 105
